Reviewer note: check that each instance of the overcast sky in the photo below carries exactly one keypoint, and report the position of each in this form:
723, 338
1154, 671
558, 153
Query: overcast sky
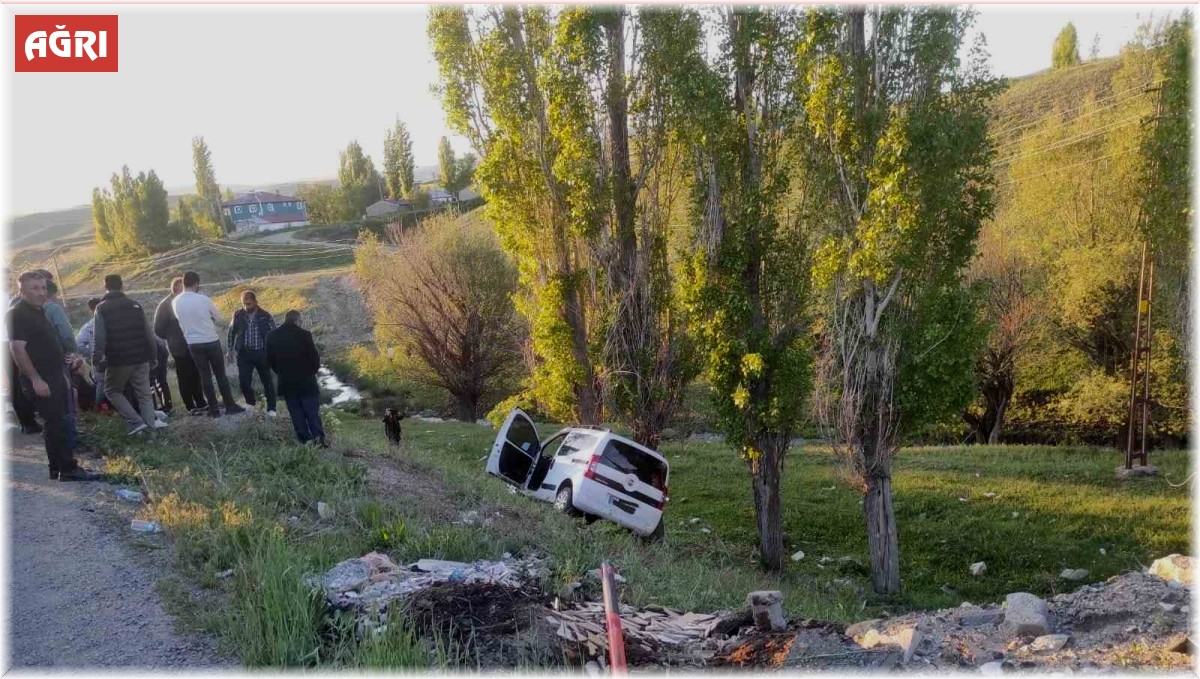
277, 92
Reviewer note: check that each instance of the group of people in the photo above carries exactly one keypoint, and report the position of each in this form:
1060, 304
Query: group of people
128, 353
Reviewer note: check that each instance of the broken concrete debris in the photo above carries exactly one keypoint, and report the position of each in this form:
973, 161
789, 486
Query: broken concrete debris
1092, 628
1173, 568
1074, 574
978, 569
324, 511
140, 526
1026, 614
766, 607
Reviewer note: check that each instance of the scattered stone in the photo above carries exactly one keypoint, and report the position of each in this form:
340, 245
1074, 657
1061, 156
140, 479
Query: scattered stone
1137, 471
1173, 568
870, 639
908, 639
140, 526
225, 574
992, 669
1168, 606
962, 499
989, 495
593, 669
860, 628
694, 520
798, 556
766, 607
1102, 552
981, 618
1074, 574
978, 569
706, 531
1026, 615
1049, 642
1184, 645
293, 520
1016, 515
324, 511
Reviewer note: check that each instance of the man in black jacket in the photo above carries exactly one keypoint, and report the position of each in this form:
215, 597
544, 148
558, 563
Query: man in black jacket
293, 356
40, 358
248, 338
126, 350
167, 327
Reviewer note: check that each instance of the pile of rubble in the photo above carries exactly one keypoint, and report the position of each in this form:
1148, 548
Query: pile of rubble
1134, 619
369, 584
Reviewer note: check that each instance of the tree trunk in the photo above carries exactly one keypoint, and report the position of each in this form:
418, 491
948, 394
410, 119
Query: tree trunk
765, 473
466, 406
882, 539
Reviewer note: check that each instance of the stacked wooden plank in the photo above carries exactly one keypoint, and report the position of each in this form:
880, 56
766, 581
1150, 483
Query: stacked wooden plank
652, 630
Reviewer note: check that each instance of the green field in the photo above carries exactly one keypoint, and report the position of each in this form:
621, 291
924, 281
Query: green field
226, 500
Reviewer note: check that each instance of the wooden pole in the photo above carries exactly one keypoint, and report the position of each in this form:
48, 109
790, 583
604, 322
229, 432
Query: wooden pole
62, 285
612, 619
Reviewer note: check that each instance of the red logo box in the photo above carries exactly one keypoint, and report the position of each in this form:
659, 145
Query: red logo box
85, 43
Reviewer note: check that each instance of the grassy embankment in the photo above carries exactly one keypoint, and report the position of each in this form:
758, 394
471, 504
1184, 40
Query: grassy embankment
226, 499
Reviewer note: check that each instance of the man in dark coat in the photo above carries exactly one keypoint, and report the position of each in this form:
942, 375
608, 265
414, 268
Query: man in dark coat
248, 332
293, 356
167, 327
126, 350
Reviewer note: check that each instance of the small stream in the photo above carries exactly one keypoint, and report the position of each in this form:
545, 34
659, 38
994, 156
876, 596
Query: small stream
343, 393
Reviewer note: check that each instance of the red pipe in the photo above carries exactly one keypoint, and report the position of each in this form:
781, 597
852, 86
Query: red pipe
612, 620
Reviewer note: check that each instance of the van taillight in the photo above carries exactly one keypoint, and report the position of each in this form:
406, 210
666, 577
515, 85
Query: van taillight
591, 468
663, 502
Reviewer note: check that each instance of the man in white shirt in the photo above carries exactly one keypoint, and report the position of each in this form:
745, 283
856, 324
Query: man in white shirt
198, 318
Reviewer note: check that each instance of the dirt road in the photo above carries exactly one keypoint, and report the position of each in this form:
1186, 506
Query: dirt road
79, 596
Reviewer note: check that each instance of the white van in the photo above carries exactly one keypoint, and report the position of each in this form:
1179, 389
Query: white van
584, 471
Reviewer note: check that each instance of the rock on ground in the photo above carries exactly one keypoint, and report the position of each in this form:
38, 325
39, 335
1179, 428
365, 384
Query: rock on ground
1174, 568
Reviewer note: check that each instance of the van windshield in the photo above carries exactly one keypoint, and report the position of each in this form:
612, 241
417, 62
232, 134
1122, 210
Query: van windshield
629, 460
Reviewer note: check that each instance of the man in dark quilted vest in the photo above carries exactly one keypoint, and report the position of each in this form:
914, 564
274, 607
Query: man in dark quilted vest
125, 349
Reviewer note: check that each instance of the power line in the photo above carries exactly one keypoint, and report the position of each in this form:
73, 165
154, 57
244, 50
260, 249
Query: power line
1010, 129
1068, 121
1069, 141
1068, 167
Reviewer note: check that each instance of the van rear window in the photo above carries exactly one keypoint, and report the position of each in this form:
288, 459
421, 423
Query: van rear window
629, 460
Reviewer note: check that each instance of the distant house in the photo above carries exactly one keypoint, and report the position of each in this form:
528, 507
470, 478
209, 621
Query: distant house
388, 206
264, 211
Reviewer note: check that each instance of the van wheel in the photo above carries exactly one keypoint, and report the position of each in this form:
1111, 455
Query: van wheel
564, 503
658, 533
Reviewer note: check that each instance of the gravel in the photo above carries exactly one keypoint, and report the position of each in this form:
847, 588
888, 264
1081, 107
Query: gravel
79, 596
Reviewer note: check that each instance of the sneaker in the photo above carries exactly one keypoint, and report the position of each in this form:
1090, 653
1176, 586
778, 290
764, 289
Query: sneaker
78, 474
234, 409
272, 413
160, 424
160, 416
202, 410
138, 429
214, 413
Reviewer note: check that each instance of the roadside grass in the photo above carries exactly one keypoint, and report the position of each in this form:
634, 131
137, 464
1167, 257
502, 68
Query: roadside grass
1068, 505
246, 500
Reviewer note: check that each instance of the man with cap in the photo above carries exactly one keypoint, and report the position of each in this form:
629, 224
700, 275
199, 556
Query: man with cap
126, 350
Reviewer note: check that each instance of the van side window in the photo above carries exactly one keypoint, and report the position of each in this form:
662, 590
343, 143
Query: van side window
576, 441
629, 460
552, 447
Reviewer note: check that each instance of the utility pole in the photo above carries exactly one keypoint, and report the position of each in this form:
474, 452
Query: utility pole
1143, 337
62, 285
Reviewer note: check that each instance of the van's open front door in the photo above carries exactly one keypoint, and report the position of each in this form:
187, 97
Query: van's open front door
516, 449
